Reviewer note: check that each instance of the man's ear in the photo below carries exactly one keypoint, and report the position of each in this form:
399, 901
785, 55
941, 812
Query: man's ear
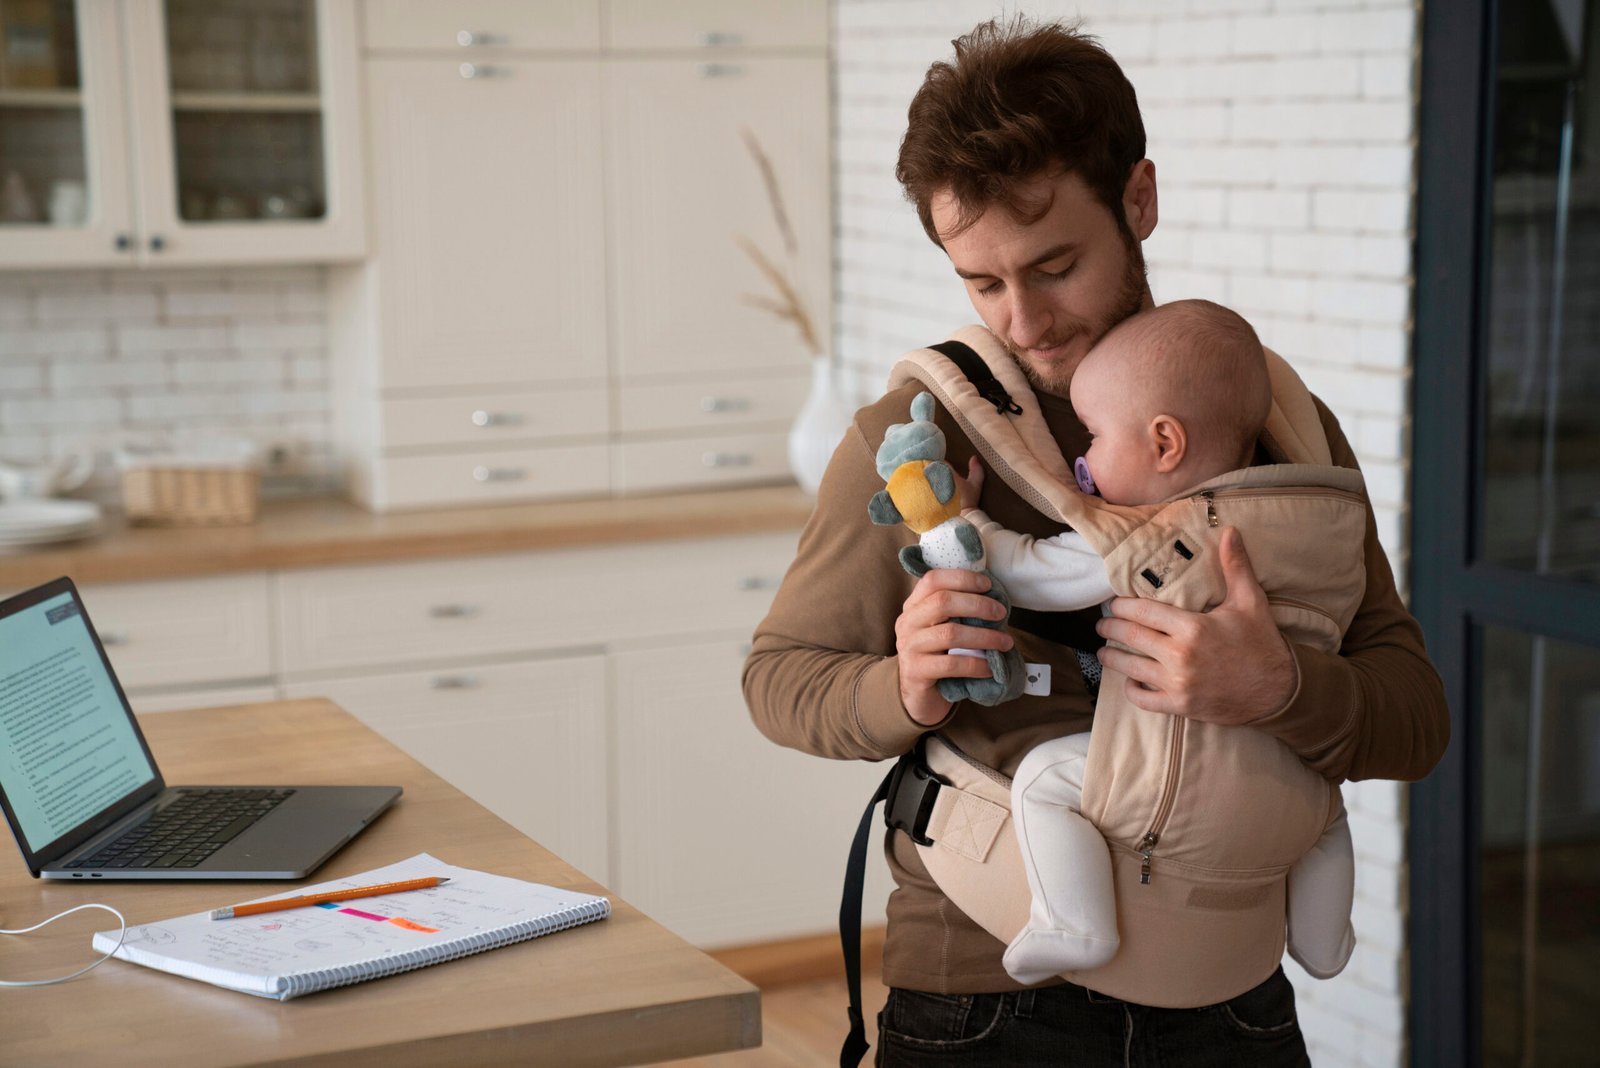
1170, 442
1139, 199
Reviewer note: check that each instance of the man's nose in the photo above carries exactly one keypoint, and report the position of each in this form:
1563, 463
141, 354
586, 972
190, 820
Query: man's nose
1030, 319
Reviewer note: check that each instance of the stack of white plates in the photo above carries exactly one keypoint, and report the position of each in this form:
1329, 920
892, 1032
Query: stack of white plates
40, 522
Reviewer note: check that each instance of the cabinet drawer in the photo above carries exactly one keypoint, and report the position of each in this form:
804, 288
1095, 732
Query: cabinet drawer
179, 700
709, 404
720, 460
487, 418
468, 26
336, 619
486, 476
527, 741
191, 631
717, 24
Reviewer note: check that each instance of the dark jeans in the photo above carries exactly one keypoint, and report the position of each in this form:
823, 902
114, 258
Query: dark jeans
1069, 1025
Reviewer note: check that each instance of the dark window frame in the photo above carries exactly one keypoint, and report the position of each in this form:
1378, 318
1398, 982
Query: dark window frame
1454, 594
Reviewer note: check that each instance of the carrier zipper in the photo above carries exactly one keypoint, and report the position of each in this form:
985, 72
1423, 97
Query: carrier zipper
1169, 789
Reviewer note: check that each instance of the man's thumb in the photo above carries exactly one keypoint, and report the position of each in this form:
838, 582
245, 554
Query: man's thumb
1237, 571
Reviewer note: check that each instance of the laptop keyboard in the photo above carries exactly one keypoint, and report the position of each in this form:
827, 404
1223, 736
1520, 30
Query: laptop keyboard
187, 831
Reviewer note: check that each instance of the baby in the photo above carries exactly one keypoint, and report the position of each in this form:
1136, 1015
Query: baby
1172, 397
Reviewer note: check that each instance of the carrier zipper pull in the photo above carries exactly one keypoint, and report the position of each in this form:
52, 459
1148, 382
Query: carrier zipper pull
1211, 507
1145, 848
993, 392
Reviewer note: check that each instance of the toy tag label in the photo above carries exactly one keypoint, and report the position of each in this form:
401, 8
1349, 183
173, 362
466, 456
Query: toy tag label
1038, 680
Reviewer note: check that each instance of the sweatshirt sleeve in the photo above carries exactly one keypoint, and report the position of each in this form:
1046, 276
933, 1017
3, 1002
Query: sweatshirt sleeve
822, 675
1376, 710
1056, 574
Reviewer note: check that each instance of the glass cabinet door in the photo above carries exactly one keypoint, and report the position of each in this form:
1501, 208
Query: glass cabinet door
248, 137
64, 197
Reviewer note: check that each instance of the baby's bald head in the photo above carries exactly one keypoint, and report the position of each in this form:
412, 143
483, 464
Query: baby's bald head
1193, 360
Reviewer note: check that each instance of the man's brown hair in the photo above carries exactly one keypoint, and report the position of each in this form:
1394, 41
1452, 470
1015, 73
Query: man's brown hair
1019, 100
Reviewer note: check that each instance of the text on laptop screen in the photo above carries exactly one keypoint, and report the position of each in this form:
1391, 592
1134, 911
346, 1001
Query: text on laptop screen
67, 747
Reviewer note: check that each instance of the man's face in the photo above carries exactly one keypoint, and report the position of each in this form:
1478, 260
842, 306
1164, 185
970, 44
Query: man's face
1049, 288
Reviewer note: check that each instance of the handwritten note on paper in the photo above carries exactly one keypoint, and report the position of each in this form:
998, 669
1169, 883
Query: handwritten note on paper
262, 954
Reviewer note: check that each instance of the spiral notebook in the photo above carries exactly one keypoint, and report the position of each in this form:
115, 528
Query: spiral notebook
284, 954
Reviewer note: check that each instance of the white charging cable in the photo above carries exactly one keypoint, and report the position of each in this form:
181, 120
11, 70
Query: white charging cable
43, 923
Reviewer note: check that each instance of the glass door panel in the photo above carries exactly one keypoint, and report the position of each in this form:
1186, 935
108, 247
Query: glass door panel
1541, 456
1539, 849
247, 110
44, 179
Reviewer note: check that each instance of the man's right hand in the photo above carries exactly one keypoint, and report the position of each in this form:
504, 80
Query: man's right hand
925, 633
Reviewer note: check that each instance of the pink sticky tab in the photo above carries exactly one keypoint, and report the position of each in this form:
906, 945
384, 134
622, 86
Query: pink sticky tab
364, 915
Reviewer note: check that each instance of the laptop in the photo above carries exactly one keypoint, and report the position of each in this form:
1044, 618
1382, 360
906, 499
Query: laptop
82, 792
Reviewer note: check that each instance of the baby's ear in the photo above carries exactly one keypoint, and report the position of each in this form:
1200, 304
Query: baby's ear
1170, 441
941, 479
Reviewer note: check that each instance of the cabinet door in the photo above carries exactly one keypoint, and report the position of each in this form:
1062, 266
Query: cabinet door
246, 129
527, 741
486, 189
717, 24
64, 188
685, 188
725, 837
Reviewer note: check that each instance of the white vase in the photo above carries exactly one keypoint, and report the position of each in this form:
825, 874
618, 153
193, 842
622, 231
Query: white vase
820, 426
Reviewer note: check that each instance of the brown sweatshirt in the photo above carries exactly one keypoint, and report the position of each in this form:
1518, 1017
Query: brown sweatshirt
822, 677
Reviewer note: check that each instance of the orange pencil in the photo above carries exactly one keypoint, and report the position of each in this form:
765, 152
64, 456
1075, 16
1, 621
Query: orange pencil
332, 895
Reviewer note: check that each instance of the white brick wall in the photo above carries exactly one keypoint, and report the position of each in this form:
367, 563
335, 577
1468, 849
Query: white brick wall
88, 357
1282, 132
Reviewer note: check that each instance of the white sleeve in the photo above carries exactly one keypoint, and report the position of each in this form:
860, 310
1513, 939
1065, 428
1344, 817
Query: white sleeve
1058, 574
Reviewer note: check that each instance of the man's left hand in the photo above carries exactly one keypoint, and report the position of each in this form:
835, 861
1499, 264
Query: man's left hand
1230, 665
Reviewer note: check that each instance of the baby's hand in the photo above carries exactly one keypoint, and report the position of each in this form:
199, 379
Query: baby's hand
972, 485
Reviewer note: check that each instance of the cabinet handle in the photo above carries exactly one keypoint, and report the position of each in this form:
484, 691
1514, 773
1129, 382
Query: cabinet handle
455, 682
720, 70
726, 459
759, 582
452, 611
713, 39
469, 39
474, 71
487, 419
720, 405
157, 243
499, 474
123, 242
114, 637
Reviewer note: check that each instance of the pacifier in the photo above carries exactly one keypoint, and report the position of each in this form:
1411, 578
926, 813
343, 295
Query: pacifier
1085, 479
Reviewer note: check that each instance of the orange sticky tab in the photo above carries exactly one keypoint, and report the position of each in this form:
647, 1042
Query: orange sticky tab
411, 925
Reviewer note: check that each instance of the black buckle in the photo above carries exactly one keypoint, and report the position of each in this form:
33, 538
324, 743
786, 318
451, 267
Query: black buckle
913, 788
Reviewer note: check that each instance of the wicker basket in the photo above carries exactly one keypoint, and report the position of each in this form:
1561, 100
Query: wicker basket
217, 486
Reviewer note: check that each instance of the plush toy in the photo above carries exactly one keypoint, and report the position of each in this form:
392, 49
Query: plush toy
921, 493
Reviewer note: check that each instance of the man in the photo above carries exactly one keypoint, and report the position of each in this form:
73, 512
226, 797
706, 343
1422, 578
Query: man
1025, 158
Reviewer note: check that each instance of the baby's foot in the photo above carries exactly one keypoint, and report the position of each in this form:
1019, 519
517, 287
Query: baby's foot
1040, 953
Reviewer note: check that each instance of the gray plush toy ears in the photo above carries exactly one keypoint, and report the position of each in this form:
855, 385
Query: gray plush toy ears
919, 439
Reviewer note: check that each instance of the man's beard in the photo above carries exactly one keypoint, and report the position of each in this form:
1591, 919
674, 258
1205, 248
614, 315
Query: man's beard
1129, 300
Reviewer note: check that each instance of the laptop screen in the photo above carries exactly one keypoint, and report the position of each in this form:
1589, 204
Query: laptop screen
68, 747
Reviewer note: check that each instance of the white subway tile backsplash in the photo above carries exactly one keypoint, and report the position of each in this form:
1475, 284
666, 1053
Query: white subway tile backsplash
95, 306
55, 341
100, 376
134, 341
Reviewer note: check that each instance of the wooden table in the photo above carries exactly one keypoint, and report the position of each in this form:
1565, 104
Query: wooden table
620, 991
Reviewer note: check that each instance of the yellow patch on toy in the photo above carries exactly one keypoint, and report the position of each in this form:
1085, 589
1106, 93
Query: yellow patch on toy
921, 510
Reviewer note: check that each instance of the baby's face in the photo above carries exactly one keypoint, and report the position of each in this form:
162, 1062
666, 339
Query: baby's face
1122, 456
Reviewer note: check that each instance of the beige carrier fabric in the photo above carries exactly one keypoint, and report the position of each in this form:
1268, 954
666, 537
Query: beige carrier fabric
1230, 808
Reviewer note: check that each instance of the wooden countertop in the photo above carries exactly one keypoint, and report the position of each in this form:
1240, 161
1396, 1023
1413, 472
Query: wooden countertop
621, 991
317, 532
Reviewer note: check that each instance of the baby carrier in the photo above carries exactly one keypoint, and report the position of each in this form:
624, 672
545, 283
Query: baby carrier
1199, 877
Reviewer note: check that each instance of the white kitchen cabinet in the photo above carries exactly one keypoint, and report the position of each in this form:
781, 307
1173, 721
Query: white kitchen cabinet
723, 836
180, 700
486, 191
526, 740
651, 24
684, 187
183, 632
555, 222
199, 132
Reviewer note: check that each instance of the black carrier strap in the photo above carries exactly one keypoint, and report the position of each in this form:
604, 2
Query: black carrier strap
978, 373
